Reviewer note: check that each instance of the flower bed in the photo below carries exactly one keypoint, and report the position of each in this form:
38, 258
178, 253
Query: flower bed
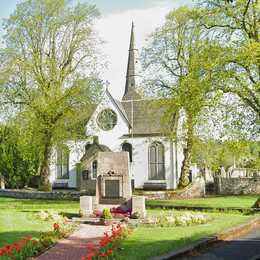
168, 219
114, 212
19, 250
60, 228
106, 247
28, 247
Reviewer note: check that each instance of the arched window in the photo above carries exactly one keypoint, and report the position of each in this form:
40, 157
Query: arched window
128, 148
63, 162
94, 169
156, 161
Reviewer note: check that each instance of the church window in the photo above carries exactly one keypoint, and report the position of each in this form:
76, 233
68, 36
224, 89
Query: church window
107, 119
63, 162
94, 169
156, 161
128, 148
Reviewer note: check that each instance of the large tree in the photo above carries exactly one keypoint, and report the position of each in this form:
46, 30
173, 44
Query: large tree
179, 61
236, 25
48, 63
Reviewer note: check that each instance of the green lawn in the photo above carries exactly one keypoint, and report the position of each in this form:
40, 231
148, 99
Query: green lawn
239, 201
18, 218
147, 242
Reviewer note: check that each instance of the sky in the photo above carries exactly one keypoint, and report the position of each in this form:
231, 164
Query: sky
114, 27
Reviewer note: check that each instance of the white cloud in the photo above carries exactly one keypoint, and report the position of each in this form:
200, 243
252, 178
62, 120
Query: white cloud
115, 30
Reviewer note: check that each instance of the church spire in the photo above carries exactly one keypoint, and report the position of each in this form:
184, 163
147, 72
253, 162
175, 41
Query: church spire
130, 74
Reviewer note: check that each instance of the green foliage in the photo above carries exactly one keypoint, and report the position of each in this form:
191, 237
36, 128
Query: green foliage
213, 155
49, 67
106, 214
235, 25
180, 60
18, 162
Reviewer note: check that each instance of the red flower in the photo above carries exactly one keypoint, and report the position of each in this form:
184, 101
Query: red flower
56, 227
109, 252
17, 247
28, 238
90, 256
2, 251
90, 245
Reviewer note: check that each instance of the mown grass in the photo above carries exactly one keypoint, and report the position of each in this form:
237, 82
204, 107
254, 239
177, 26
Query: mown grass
154, 241
239, 201
19, 218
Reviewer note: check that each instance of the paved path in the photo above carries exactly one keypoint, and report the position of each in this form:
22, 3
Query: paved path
243, 248
74, 247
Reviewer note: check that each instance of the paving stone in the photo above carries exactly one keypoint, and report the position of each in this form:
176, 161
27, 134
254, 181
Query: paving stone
74, 247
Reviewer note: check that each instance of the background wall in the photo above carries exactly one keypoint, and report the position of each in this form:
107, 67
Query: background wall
229, 186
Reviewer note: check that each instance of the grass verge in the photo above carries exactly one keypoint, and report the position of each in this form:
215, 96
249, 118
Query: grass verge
148, 242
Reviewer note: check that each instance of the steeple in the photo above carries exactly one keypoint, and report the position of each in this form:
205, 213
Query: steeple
130, 86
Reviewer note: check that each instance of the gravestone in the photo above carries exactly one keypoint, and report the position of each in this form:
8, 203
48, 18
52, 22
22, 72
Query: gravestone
138, 206
86, 205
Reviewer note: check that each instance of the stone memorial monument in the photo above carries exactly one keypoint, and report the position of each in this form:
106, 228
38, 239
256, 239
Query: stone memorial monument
113, 186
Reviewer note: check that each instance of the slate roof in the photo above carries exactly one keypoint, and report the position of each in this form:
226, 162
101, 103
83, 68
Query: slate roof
92, 148
144, 116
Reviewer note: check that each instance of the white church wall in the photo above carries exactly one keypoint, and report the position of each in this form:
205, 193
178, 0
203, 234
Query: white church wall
140, 164
109, 138
77, 150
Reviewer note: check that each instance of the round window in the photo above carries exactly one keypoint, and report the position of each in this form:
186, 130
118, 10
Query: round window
107, 119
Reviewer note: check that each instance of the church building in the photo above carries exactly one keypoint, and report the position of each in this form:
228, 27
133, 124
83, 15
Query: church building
131, 124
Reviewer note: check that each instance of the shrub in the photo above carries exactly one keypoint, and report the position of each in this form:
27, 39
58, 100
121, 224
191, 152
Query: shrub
106, 214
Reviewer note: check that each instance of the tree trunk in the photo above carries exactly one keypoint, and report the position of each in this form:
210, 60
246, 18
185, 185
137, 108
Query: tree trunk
44, 164
185, 169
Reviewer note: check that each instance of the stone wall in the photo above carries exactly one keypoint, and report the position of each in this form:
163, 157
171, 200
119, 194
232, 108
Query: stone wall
229, 186
194, 190
18, 194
